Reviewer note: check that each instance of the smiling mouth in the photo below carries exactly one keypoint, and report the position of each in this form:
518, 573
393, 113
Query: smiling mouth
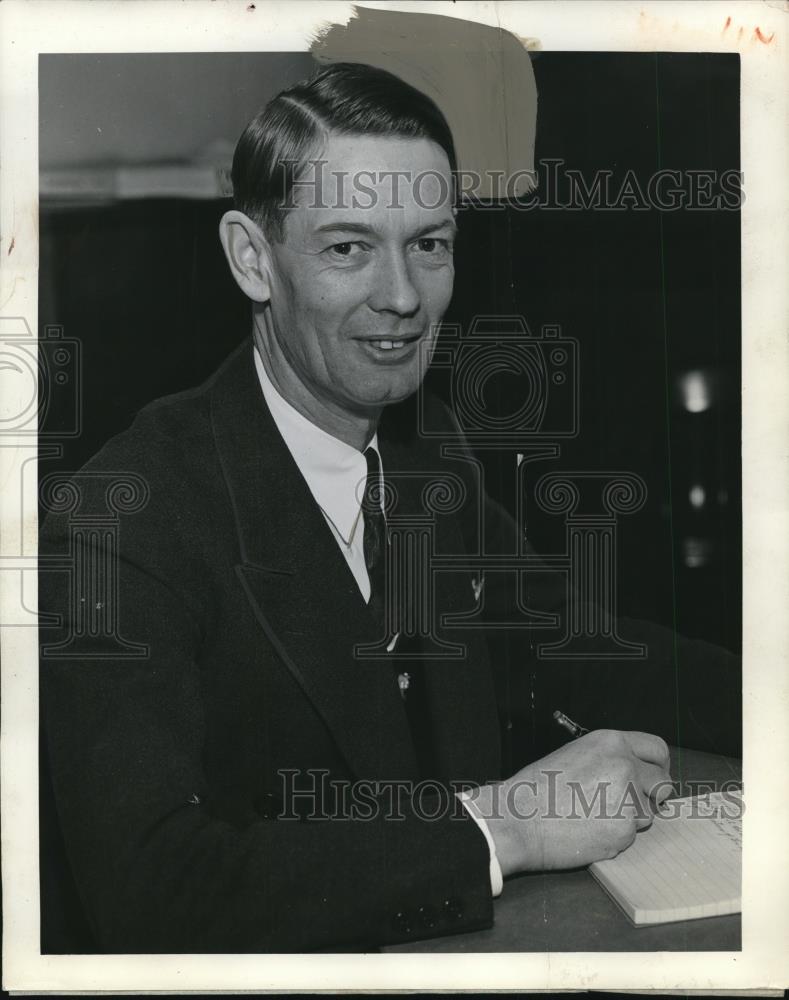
384, 345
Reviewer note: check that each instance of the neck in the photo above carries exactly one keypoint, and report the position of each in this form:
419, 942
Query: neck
354, 428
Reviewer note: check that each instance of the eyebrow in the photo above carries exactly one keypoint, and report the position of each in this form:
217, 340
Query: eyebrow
364, 230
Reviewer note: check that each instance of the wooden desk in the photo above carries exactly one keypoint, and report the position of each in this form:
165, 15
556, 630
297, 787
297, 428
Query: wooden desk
569, 911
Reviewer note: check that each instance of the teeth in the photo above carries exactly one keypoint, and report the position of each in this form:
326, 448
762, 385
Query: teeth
389, 345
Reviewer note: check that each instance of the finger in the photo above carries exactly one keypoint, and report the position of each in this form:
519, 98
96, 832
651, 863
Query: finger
654, 781
662, 790
644, 819
634, 805
650, 748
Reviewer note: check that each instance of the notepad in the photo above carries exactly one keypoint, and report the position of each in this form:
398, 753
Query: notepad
685, 866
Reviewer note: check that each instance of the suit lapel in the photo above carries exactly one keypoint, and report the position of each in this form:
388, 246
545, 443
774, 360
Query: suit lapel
302, 591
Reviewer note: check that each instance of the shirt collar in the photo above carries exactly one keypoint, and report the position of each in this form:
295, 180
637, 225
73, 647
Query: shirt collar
333, 470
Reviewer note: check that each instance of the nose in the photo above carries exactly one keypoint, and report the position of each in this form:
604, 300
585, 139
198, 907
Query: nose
393, 289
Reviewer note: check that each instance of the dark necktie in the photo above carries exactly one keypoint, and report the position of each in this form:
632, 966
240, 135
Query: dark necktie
374, 535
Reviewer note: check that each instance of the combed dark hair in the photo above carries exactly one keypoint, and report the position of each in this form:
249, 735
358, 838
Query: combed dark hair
347, 98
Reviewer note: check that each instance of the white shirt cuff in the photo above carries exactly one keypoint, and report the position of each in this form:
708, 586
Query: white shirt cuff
496, 879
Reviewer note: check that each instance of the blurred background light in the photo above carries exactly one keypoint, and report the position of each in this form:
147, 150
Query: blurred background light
695, 390
696, 552
697, 496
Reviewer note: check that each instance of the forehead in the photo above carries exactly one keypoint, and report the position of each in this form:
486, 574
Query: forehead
385, 182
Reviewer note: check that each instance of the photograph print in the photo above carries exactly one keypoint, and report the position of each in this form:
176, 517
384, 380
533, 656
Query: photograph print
389, 486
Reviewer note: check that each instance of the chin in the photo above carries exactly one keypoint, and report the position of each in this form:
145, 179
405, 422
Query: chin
395, 392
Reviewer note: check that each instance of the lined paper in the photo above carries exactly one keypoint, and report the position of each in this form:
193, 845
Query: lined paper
685, 866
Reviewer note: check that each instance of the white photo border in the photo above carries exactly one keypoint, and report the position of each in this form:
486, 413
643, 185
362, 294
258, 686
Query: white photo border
760, 33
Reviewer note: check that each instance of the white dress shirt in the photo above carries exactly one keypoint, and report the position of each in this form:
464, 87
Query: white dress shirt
335, 474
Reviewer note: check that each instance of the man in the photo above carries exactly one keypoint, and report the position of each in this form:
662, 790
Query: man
203, 789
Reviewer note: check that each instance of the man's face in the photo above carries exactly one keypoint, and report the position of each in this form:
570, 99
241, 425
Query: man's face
364, 272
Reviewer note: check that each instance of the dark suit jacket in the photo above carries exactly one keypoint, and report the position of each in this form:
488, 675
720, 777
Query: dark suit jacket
168, 769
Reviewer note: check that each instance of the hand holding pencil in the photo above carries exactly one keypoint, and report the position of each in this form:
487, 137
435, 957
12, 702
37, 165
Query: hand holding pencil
584, 802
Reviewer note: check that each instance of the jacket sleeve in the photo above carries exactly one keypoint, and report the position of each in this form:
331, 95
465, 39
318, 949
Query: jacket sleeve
156, 871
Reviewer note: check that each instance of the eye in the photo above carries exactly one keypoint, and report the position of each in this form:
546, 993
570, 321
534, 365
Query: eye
348, 250
433, 246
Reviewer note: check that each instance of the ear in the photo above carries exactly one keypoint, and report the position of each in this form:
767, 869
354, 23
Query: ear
248, 254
